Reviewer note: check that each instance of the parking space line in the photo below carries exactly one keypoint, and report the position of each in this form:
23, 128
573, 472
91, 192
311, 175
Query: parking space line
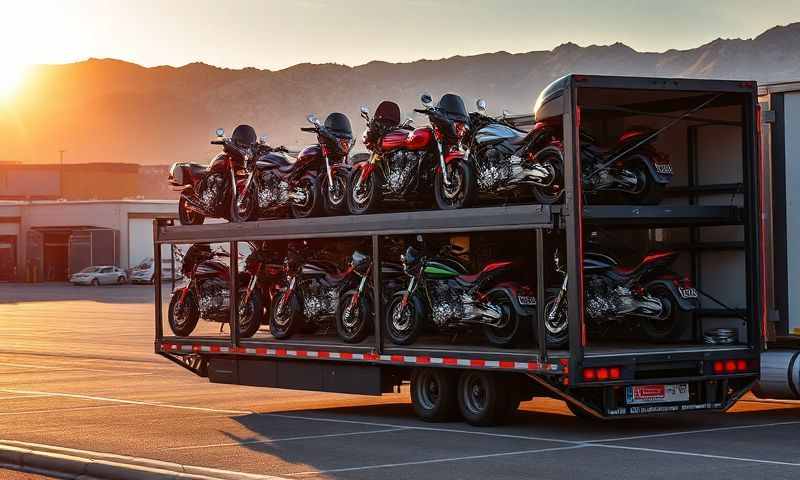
131, 402
691, 432
288, 439
693, 454
14, 397
434, 460
59, 410
428, 429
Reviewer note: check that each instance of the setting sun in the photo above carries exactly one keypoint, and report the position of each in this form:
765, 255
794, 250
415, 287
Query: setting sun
11, 76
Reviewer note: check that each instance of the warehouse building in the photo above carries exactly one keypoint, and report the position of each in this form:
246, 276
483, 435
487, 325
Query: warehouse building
49, 240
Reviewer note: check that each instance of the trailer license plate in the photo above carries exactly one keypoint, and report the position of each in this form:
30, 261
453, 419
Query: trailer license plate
637, 394
687, 292
526, 300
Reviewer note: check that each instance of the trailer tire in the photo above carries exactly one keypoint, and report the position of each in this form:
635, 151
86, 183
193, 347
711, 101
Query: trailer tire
433, 394
483, 398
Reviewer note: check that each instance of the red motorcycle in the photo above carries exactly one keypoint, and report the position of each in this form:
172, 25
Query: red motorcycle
405, 163
206, 293
210, 190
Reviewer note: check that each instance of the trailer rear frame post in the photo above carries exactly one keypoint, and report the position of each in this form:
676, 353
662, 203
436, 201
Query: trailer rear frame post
234, 293
541, 337
377, 294
573, 216
157, 284
751, 178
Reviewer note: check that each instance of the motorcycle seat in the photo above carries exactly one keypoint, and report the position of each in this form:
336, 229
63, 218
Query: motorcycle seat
333, 279
476, 277
196, 169
285, 163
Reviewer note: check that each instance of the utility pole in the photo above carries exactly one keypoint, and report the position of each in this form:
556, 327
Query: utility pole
61, 174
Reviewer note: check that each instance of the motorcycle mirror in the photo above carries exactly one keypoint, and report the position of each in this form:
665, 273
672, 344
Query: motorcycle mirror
506, 113
262, 140
220, 132
481, 104
419, 238
426, 99
364, 110
312, 119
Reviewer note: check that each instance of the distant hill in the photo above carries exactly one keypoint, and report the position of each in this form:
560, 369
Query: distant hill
114, 111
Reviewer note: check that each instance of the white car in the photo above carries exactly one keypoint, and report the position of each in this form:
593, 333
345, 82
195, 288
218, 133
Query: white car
145, 273
100, 275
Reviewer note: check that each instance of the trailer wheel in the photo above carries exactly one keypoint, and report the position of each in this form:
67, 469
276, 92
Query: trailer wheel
483, 398
433, 394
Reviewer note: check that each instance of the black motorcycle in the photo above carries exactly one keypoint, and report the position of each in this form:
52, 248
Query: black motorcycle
211, 191
648, 293
205, 294
508, 161
454, 301
354, 313
310, 295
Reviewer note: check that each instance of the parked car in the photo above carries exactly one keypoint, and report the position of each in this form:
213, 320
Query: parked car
145, 271
99, 275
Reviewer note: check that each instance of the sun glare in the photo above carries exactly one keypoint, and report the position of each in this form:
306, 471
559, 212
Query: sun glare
11, 76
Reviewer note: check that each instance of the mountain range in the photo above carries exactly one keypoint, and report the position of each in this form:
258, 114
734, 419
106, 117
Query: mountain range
105, 110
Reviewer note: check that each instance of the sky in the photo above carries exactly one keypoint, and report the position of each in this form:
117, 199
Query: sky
274, 34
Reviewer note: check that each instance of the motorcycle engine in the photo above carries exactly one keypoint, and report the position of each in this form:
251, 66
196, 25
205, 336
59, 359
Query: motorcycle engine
447, 304
274, 191
214, 299
211, 193
318, 301
602, 298
401, 167
495, 171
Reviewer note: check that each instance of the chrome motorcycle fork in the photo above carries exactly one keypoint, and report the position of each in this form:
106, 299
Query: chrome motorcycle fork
408, 292
445, 176
559, 298
286, 294
251, 285
330, 175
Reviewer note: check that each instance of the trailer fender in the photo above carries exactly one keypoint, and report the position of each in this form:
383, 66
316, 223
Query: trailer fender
685, 304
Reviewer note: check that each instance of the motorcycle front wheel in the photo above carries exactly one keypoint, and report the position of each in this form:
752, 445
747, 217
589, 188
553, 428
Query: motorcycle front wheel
313, 204
367, 197
187, 216
463, 186
244, 209
183, 316
354, 320
552, 157
667, 326
509, 331
335, 197
251, 314
404, 323
556, 322
285, 322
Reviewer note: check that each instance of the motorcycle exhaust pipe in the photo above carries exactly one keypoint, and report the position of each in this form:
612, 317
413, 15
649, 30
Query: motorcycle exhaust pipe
475, 311
194, 205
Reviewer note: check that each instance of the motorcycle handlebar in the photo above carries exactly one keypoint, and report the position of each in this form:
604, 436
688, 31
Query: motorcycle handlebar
308, 129
217, 142
419, 110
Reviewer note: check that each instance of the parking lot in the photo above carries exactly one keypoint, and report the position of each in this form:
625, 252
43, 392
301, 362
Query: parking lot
77, 371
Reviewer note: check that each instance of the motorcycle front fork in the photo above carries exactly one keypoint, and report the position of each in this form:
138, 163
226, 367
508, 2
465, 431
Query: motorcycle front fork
445, 175
286, 295
407, 294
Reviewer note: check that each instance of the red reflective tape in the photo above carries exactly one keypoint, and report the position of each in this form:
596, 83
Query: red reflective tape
302, 353
195, 348
506, 364
261, 351
281, 352
371, 356
423, 359
450, 361
397, 358
346, 355
477, 363
215, 348
324, 354
534, 366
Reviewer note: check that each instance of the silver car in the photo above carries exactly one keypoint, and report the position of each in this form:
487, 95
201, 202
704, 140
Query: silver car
100, 275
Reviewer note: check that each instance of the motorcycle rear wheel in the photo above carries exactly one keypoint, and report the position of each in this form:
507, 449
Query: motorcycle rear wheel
369, 200
551, 194
463, 188
511, 331
669, 326
186, 216
651, 192
284, 324
183, 318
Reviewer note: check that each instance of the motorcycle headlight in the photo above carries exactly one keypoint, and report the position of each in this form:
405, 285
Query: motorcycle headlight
460, 128
345, 144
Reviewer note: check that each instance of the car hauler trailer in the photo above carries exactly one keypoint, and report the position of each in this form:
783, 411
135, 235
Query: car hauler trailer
780, 368
711, 215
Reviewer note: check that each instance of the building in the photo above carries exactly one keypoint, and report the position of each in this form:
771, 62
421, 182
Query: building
48, 240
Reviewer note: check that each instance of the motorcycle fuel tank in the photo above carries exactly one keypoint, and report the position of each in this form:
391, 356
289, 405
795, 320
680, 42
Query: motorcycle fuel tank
496, 132
309, 154
439, 270
212, 268
597, 262
415, 140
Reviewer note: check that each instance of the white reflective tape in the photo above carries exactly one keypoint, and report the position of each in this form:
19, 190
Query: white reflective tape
437, 360
335, 355
521, 365
250, 350
386, 358
358, 356
291, 353
271, 351
313, 354
463, 362
408, 359
491, 363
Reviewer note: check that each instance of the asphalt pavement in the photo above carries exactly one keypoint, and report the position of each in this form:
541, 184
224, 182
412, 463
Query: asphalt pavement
77, 371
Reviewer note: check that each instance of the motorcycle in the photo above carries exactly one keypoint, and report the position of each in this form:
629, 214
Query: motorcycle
354, 312
211, 191
508, 160
405, 163
649, 293
455, 301
278, 183
632, 167
206, 294
310, 295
